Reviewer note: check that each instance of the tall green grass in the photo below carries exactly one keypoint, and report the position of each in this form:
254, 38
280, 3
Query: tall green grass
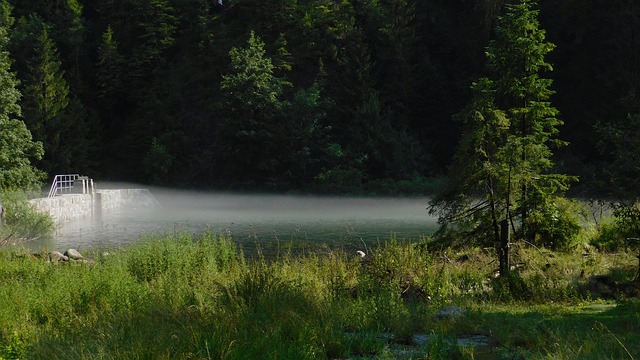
197, 297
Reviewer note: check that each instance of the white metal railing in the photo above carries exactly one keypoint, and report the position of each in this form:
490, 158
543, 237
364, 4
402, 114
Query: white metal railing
65, 184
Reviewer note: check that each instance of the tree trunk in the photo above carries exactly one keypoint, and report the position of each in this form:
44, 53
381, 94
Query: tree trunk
503, 251
638, 274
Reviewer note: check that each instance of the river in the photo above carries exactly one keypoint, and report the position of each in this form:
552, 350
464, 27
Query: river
251, 220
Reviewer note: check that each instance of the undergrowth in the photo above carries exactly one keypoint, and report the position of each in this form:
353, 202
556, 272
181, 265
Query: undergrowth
197, 297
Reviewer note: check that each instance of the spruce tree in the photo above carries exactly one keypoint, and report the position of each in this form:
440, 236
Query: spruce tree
267, 140
46, 98
501, 179
109, 83
253, 102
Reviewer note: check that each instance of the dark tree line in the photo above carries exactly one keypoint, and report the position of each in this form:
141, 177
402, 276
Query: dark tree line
299, 94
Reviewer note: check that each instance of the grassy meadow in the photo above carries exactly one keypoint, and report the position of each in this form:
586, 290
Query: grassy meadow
186, 296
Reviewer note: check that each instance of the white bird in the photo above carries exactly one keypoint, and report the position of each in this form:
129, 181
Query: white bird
361, 253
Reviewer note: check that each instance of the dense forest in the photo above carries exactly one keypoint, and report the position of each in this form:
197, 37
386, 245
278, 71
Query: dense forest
319, 95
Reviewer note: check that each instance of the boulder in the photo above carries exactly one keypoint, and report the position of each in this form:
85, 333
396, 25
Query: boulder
73, 254
56, 256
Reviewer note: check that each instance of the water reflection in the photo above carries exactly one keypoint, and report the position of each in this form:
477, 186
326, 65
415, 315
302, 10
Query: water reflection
252, 219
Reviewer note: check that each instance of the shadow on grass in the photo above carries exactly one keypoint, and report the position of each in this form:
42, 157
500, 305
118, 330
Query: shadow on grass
595, 331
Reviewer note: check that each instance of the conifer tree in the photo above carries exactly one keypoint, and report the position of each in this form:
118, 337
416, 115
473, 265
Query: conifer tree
503, 162
46, 102
252, 96
157, 27
46, 97
109, 77
518, 60
267, 139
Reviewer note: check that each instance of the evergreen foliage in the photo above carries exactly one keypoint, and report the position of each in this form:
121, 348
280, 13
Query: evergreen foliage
518, 57
620, 140
389, 75
266, 139
45, 94
502, 166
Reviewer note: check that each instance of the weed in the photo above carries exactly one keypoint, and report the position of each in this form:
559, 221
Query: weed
443, 347
14, 349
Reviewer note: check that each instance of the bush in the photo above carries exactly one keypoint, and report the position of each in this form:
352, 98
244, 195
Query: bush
510, 287
558, 226
340, 179
398, 267
15, 349
20, 220
610, 236
621, 231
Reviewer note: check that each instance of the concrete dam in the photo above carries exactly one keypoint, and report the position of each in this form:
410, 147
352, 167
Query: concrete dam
85, 201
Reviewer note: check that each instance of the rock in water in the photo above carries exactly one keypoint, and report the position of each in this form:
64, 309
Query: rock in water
73, 254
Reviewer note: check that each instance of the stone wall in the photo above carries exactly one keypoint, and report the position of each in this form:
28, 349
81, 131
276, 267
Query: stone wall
77, 206
65, 207
131, 198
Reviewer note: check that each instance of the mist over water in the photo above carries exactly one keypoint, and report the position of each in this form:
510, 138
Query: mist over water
253, 219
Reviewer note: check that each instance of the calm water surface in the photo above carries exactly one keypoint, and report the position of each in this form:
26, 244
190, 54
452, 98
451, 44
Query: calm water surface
253, 219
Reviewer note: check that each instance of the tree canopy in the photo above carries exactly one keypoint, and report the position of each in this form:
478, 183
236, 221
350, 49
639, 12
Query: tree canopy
501, 179
349, 94
17, 148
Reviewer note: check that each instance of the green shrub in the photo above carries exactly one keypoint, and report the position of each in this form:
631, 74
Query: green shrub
510, 287
395, 266
148, 262
340, 179
15, 349
611, 235
622, 231
559, 225
20, 220
180, 256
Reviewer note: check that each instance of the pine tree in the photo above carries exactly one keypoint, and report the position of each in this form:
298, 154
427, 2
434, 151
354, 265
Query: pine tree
503, 162
70, 32
252, 97
518, 59
46, 97
46, 102
16, 145
157, 27
396, 60
109, 77
267, 140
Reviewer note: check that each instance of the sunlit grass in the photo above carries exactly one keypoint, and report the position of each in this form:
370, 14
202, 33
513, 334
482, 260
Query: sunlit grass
183, 296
